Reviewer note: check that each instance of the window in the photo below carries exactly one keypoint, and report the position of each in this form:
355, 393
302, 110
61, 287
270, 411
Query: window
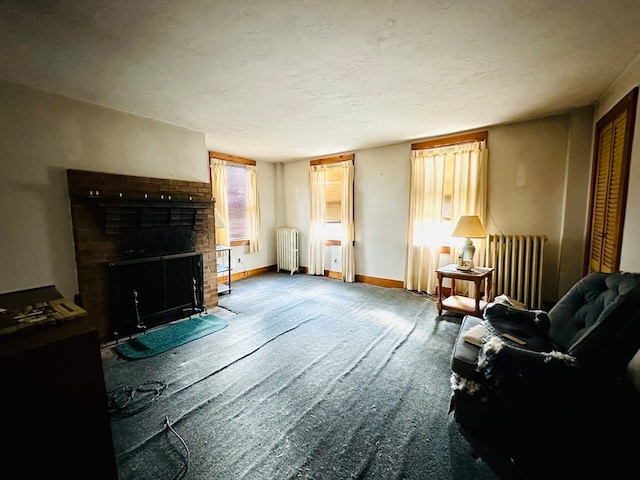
448, 179
237, 194
234, 184
333, 204
447, 191
449, 151
332, 186
331, 220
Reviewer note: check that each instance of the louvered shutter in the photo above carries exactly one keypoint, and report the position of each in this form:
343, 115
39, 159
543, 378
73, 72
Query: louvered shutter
613, 152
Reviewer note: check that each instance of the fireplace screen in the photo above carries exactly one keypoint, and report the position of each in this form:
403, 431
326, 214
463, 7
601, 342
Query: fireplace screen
147, 292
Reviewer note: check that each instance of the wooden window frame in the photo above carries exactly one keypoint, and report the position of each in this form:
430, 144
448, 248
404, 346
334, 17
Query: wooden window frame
239, 160
450, 140
326, 161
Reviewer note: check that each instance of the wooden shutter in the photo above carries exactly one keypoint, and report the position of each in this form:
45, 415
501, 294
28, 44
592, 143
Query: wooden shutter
612, 152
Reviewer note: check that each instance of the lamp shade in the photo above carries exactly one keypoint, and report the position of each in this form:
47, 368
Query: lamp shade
469, 226
219, 221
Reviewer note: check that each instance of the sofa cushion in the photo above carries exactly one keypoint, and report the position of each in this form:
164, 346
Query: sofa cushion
464, 359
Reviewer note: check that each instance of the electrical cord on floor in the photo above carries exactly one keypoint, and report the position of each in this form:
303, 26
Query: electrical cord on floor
183, 471
125, 401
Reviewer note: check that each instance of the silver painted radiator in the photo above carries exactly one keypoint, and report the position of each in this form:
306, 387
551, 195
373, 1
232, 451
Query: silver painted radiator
287, 249
518, 261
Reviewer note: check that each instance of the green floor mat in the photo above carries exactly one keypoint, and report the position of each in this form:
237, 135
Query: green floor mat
170, 336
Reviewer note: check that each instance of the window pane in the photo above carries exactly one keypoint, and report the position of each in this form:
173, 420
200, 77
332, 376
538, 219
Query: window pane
333, 194
447, 199
238, 224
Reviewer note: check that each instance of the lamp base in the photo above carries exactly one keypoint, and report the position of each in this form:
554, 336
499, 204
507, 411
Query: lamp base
465, 261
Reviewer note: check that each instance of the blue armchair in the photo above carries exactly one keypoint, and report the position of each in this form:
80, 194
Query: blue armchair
538, 373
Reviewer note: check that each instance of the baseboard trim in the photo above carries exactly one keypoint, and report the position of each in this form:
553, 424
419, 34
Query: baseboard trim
380, 282
377, 281
333, 274
251, 273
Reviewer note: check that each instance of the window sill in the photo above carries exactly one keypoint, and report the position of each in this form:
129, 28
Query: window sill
239, 243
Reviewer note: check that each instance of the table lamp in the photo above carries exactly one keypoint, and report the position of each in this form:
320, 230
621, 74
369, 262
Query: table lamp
468, 226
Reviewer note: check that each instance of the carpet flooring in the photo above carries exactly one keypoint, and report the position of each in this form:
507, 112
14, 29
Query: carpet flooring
313, 378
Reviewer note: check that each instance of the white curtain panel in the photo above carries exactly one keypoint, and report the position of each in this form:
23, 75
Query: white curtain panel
470, 189
219, 192
427, 232
317, 218
347, 221
253, 207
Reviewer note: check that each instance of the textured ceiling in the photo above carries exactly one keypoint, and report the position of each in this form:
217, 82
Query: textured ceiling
277, 80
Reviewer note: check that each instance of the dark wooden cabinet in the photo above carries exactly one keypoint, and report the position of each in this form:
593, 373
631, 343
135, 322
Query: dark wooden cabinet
53, 399
54, 406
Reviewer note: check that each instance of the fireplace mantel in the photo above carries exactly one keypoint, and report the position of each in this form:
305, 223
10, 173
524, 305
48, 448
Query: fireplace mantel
131, 213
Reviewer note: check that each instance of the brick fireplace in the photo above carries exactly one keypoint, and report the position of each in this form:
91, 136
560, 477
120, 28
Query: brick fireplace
123, 221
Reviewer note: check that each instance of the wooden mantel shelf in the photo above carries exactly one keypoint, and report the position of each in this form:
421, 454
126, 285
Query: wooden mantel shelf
151, 203
159, 212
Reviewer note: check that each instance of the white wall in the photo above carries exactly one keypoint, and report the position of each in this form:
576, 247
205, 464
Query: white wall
630, 253
382, 210
534, 205
381, 203
577, 185
42, 135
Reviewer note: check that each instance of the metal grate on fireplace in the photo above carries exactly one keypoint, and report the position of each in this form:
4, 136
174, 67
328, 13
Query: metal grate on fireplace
147, 292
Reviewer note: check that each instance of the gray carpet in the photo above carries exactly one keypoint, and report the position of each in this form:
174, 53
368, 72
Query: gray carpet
312, 379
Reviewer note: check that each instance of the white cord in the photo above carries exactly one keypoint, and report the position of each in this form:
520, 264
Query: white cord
183, 470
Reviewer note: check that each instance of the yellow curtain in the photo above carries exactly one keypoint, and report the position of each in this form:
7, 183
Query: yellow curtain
219, 192
427, 231
347, 221
425, 235
253, 207
470, 189
317, 219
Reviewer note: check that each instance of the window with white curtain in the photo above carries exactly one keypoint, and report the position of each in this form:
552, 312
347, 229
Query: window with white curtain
237, 202
234, 184
333, 201
332, 215
448, 179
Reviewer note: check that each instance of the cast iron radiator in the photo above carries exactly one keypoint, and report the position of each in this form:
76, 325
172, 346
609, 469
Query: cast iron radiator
287, 253
518, 261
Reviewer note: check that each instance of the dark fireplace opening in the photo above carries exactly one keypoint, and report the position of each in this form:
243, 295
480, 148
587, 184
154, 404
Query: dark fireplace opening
155, 241
147, 292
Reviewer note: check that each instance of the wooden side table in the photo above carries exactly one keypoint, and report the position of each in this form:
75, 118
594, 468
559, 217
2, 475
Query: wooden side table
461, 304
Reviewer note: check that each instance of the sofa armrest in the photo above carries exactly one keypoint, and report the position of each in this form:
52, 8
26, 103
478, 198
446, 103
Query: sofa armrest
531, 327
503, 363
